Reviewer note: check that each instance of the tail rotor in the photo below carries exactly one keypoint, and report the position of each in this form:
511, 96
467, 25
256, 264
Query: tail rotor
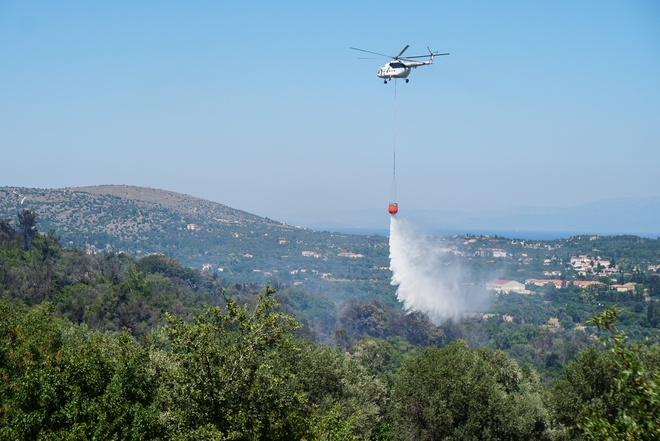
432, 54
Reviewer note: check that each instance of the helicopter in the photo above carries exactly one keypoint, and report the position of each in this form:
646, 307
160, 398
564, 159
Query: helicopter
400, 66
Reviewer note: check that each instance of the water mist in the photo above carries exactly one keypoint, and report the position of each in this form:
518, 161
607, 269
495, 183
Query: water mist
429, 276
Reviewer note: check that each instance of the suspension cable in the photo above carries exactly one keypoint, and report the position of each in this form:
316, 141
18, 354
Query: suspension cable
393, 192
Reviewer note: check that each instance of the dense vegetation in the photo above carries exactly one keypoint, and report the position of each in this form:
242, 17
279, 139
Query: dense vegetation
109, 347
203, 234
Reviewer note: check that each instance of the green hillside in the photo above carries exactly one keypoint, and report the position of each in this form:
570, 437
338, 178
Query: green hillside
109, 346
204, 235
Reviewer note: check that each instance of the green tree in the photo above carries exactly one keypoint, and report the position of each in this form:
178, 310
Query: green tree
27, 227
171, 268
638, 415
39, 269
61, 381
7, 233
365, 318
341, 395
653, 313
223, 380
461, 393
418, 330
585, 387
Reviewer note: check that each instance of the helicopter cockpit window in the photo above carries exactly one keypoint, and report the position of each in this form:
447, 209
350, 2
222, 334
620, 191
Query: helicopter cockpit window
397, 65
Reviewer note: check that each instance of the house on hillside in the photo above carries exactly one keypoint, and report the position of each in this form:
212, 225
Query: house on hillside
584, 283
350, 255
603, 263
552, 273
542, 282
498, 252
624, 288
506, 286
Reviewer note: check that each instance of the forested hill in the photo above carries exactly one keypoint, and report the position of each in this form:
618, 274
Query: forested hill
198, 232
120, 211
182, 204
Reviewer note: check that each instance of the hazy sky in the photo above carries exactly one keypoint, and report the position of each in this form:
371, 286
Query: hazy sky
262, 105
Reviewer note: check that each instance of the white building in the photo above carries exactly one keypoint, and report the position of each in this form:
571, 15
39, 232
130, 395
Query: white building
498, 252
350, 255
507, 286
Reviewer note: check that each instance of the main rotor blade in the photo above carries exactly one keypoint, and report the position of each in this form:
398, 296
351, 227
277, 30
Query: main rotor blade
369, 52
423, 56
402, 51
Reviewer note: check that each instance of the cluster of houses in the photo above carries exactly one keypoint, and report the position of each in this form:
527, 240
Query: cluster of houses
509, 286
586, 265
489, 252
348, 254
535, 246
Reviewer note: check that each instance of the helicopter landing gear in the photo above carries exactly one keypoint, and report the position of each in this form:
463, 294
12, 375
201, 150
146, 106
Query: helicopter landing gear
385, 81
407, 80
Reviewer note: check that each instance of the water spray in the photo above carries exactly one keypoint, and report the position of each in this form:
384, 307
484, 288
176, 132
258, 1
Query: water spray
428, 275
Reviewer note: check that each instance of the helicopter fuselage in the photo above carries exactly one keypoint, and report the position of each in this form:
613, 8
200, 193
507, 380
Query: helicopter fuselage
393, 69
399, 69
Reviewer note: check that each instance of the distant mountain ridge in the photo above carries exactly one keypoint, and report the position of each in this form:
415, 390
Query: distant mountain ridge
178, 202
125, 214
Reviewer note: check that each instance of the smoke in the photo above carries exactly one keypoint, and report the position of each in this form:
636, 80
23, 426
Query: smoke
429, 275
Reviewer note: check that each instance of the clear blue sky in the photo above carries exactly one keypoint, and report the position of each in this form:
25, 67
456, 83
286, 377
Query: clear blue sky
263, 107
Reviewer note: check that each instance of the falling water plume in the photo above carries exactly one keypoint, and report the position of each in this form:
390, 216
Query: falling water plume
428, 276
